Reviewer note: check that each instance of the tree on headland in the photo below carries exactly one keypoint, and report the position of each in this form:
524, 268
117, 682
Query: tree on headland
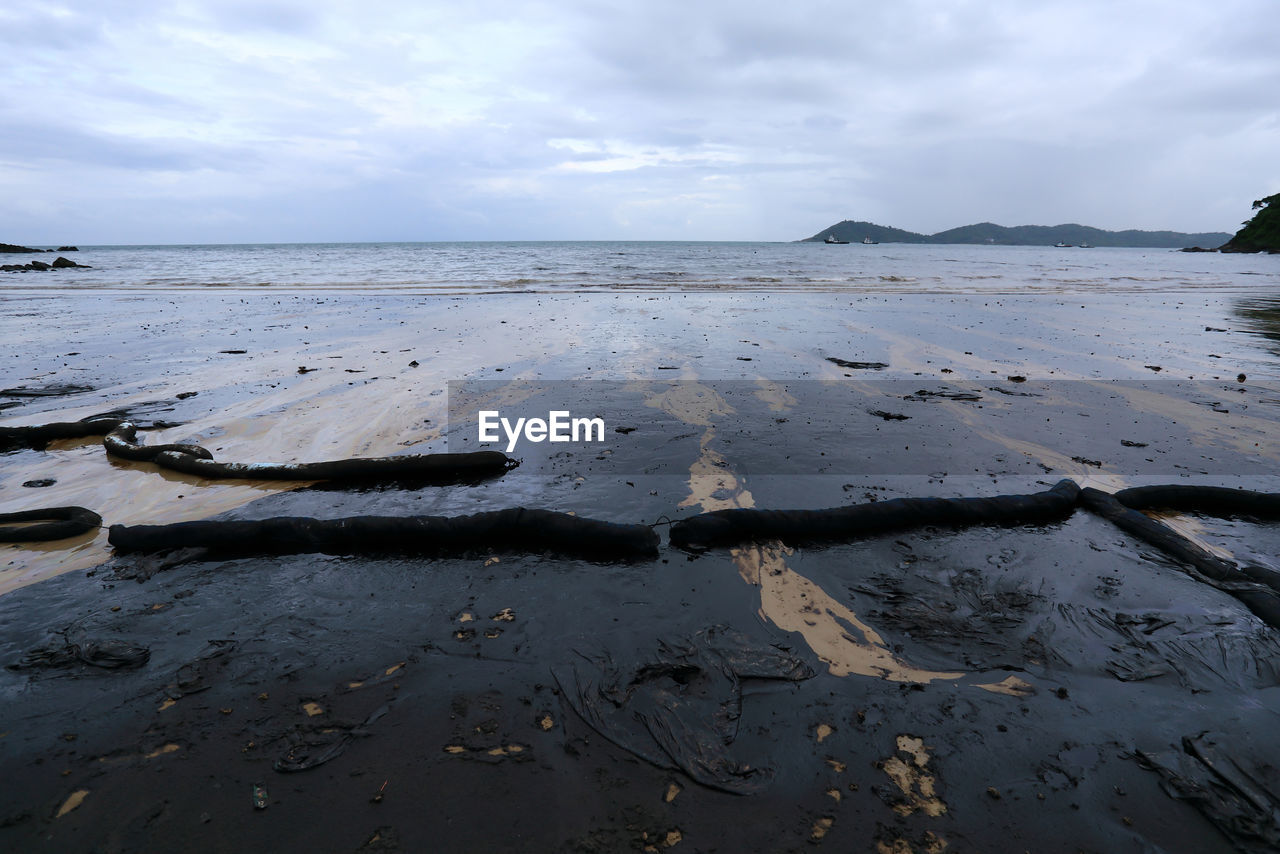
1260, 234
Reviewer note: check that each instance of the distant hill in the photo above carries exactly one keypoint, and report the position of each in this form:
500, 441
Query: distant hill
854, 232
988, 233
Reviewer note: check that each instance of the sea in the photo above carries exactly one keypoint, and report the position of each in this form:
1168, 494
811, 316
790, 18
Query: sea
579, 266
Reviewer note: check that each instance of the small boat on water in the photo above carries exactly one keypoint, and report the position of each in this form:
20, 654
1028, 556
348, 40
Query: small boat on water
869, 242
832, 239
1061, 245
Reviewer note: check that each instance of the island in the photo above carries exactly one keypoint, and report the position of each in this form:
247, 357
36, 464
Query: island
990, 234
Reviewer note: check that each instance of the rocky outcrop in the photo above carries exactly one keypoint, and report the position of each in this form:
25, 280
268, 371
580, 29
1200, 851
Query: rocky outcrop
59, 263
1260, 234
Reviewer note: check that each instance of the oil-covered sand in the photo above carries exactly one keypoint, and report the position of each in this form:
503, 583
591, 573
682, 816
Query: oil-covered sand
986, 689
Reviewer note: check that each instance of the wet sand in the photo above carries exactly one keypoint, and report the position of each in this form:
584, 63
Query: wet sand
984, 689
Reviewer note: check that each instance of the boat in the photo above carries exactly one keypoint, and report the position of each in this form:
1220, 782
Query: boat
1061, 245
869, 242
832, 239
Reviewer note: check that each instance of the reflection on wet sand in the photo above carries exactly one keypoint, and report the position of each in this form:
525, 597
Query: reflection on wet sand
363, 393
1246, 434
129, 493
1222, 425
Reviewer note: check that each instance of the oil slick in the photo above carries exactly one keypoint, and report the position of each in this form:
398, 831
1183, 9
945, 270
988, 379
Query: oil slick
790, 601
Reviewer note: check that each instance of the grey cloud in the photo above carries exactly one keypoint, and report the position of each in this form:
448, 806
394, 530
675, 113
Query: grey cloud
53, 144
32, 28
744, 119
275, 17
822, 122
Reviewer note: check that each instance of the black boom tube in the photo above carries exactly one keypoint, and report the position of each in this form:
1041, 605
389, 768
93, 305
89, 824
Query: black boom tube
721, 528
516, 529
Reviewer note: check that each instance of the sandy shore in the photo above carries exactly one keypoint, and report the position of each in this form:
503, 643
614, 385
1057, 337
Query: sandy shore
948, 665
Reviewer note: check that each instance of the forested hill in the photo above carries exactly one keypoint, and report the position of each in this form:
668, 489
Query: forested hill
1262, 233
1021, 235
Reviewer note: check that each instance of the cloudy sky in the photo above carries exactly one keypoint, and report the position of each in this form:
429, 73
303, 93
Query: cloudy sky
274, 120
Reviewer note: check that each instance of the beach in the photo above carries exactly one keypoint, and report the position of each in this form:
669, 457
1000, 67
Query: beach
989, 688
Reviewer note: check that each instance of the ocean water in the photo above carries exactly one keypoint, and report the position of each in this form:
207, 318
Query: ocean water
549, 267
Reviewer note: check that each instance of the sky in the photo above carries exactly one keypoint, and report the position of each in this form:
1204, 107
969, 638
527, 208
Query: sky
280, 121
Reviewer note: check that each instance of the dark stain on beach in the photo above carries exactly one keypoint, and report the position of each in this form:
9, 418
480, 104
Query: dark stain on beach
1103, 699
347, 677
